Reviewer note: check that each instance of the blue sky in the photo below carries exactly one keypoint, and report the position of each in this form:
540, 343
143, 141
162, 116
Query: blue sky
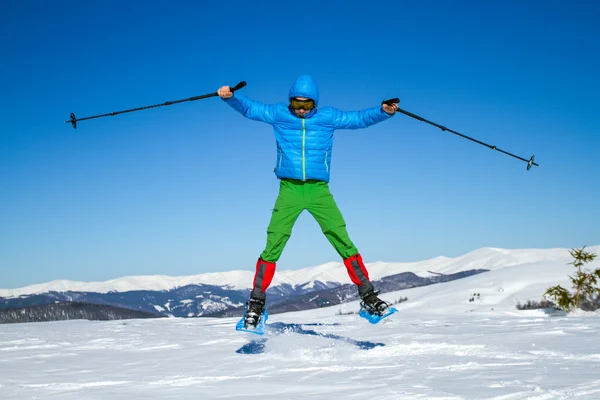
189, 188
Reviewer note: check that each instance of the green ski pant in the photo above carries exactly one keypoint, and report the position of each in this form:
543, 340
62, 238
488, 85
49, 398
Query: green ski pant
296, 196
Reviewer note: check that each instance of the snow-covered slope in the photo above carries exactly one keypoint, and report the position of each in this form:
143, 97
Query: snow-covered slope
439, 345
491, 293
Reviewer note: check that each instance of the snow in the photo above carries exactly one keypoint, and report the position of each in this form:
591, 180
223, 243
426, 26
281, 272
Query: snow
438, 346
485, 258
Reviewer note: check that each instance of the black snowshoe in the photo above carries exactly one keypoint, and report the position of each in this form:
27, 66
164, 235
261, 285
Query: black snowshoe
255, 310
373, 304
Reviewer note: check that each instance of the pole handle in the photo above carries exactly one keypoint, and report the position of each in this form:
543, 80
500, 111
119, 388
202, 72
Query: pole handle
389, 102
238, 86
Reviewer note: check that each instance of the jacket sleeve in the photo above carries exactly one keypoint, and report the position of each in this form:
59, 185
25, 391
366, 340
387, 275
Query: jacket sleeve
359, 119
252, 109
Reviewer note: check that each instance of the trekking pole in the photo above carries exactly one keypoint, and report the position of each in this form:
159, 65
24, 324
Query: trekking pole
443, 128
74, 120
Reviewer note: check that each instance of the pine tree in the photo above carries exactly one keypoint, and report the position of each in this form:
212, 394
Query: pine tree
584, 283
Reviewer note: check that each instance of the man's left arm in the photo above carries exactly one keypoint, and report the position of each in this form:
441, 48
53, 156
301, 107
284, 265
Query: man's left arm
363, 118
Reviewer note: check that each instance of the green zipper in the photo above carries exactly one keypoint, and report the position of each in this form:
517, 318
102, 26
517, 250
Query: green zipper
303, 150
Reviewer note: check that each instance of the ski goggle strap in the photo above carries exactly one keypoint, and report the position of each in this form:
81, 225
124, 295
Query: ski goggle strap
302, 104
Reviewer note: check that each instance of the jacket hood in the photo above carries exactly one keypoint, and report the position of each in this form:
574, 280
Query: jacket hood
305, 86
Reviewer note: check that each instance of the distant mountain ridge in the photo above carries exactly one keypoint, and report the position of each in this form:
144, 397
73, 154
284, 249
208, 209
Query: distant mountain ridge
211, 300
291, 290
484, 258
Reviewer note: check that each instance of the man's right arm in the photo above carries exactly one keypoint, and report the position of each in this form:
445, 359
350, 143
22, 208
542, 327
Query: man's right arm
248, 108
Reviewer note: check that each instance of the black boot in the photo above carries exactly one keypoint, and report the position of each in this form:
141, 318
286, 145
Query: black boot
373, 304
255, 310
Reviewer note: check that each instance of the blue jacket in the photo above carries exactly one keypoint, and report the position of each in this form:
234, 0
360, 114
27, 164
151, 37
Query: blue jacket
304, 144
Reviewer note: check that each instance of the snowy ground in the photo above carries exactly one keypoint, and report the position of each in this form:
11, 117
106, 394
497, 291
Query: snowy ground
439, 346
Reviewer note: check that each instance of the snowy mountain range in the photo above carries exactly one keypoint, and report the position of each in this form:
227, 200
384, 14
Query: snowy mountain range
224, 294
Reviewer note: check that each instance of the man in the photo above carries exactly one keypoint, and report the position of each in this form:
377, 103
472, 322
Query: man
304, 136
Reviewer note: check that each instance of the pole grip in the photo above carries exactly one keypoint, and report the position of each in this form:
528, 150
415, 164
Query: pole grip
389, 102
238, 86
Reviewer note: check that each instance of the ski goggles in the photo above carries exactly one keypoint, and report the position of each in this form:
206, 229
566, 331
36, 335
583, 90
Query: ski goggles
306, 105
